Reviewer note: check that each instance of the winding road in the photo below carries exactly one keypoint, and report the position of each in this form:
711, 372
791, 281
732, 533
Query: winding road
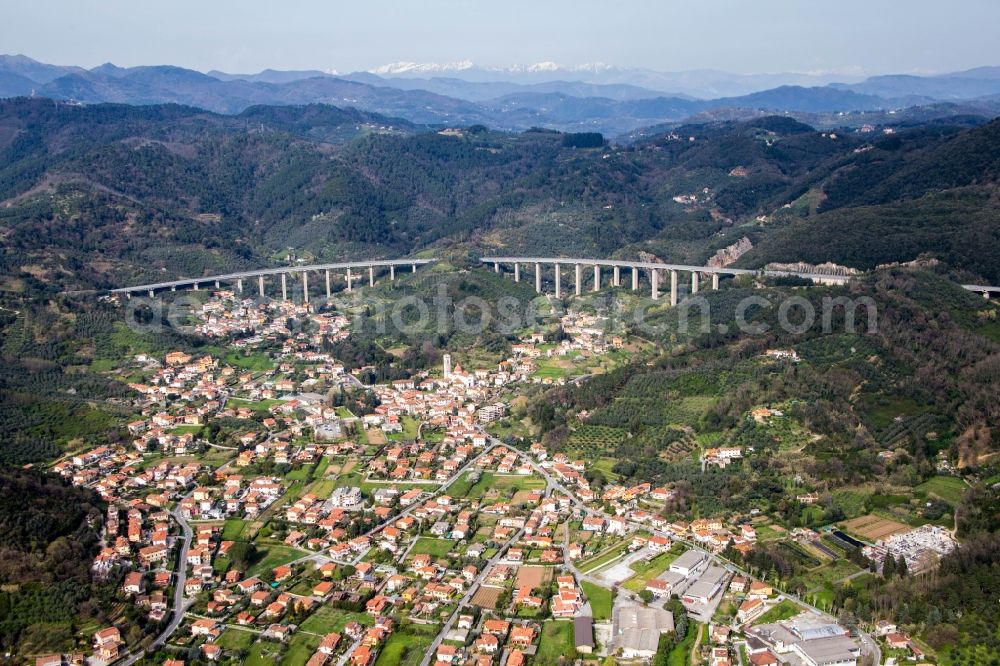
181, 602
869, 644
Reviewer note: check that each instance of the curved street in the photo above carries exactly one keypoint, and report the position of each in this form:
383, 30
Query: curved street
181, 602
869, 644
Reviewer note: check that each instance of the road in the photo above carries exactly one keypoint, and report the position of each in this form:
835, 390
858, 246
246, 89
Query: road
440, 491
446, 629
866, 640
684, 268
181, 603
319, 558
230, 277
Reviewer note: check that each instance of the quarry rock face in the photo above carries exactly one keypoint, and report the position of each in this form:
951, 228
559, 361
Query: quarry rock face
729, 254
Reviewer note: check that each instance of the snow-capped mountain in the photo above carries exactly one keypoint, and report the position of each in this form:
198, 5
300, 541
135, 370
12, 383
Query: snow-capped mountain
700, 83
406, 68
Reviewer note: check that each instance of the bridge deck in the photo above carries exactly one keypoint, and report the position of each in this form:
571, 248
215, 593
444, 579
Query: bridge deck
228, 277
646, 265
561, 261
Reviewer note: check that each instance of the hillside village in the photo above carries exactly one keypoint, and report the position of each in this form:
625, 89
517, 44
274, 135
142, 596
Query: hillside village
254, 517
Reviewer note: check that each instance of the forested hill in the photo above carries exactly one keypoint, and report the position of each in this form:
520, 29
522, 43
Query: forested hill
48, 538
95, 196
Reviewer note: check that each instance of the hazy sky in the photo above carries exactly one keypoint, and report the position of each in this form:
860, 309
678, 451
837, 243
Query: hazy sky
876, 36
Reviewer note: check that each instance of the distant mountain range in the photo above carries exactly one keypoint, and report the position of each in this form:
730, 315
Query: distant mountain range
600, 98
702, 84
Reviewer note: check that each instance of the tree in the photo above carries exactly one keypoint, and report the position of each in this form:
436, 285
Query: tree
889, 567
241, 554
583, 140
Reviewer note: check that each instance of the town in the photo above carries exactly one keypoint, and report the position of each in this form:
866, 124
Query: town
272, 506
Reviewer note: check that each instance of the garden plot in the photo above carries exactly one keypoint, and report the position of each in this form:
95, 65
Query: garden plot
873, 528
533, 577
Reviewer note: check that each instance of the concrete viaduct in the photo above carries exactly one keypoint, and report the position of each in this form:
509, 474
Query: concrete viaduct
352, 270
697, 273
357, 269
653, 270
985, 290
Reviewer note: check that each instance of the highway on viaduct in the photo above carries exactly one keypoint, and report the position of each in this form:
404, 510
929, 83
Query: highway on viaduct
550, 267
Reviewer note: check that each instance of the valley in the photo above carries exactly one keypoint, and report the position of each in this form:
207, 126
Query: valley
375, 369
279, 494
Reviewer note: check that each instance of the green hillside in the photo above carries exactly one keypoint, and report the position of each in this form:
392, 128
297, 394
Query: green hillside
95, 196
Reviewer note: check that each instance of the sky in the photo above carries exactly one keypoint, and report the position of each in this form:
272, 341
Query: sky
743, 36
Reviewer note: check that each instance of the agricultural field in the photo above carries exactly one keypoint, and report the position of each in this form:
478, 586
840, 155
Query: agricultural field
833, 545
486, 597
432, 546
951, 489
300, 648
671, 443
320, 468
829, 574
786, 431
653, 410
327, 619
407, 646
263, 653
816, 551
533, 577
851, 500
461, 486
803, 557
881, 412
556, 367
271, 555
873, 528
185, 430
255, 405
299, 474
769, 532
375, 437
688, 410
556, 644
254, 361
322, 488
680, 654
347, 479
410, 428
601, 559
371, 486
493, 485
605, 466
233, 529
600, 598
236, 639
